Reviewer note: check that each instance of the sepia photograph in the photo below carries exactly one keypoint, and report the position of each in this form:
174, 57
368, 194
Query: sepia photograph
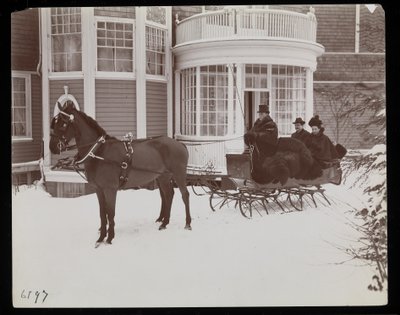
199, 156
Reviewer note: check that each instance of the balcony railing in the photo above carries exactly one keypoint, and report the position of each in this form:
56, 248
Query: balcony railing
253, 23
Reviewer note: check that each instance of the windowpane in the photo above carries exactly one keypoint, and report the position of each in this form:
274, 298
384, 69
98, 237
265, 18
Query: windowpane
114, 47
18, 84
105, 65
123, 66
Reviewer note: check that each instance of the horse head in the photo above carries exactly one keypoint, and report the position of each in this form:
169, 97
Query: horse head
62, 127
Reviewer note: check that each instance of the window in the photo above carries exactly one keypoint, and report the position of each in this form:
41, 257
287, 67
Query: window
21, 106
114, 46
257, 76
188, 116
288, 96
155, 50
66, 40
213, 100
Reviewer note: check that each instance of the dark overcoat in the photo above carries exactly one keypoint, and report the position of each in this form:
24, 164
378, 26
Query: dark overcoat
302, 135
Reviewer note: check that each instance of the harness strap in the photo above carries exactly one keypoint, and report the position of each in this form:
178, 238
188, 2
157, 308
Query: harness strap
90, 153
123, 178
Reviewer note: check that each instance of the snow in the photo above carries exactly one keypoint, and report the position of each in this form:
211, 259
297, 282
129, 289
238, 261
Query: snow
378, 149
291, 259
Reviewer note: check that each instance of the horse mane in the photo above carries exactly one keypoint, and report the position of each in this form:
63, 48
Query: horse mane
94, 124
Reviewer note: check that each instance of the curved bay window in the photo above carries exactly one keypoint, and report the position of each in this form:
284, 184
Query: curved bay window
213, 100
209, 97
188, 125
206, 95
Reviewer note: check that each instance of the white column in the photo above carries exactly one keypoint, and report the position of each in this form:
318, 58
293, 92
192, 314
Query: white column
140, 69
237, 145
88, 61
309, 95
44, 19
169, 73
357, 33
230, 98
240, 100
177, 102
198, 106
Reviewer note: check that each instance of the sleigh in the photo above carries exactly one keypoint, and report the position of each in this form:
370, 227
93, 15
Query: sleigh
237, 188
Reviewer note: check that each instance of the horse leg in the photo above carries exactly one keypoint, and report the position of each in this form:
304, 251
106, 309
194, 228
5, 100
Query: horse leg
167, 190
103, 214
110, 195
181, 183
161, 217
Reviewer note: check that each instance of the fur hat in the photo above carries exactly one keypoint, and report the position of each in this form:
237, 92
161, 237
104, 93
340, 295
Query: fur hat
315, 121
299, 120
263, 108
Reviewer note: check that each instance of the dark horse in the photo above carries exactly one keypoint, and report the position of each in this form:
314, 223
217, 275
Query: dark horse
162, 159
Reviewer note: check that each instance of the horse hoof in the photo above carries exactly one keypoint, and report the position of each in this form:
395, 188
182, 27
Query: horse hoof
188, 227
97, 244
162, 227
108, 242
158, 220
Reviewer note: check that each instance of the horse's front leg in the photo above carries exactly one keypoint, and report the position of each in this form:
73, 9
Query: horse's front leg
103, 215
162, 211
110, 195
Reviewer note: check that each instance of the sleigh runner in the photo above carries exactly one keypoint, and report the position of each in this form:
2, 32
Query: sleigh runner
240, 190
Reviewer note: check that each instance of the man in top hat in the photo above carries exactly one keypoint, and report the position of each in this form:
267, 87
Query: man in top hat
264, 132
300, 133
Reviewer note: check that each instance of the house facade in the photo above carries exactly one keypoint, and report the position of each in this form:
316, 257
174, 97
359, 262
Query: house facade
195, 73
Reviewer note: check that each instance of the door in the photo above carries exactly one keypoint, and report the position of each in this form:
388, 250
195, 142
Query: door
253, 98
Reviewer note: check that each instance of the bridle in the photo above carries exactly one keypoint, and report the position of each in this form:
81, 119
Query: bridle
63, 142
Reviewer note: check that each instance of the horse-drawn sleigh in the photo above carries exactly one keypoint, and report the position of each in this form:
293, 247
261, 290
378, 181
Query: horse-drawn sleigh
111, 164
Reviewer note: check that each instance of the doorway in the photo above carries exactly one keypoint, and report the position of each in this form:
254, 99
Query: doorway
253, 98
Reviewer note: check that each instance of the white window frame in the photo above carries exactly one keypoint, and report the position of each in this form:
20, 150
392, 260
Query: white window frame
65, 74
159, 77
113, 74
292, 110
153, 77
28, 104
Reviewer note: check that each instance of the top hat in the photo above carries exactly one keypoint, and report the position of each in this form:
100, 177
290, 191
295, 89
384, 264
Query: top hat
315, 121
299, 120
263, 108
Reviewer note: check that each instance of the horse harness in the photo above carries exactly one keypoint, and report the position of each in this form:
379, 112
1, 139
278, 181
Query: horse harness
125, 165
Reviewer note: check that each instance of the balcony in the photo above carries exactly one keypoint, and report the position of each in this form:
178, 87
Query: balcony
231, 24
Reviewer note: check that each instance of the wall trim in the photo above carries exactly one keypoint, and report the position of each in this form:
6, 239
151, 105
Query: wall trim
140, 72
351, 82
44, 18
353, 53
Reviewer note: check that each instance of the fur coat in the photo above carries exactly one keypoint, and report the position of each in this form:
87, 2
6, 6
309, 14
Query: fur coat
264, 134
321, 147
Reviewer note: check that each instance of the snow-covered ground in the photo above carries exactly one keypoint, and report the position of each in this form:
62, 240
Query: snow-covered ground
226, 260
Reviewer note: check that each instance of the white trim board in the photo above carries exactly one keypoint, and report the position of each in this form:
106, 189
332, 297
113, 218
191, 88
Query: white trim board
351, 82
